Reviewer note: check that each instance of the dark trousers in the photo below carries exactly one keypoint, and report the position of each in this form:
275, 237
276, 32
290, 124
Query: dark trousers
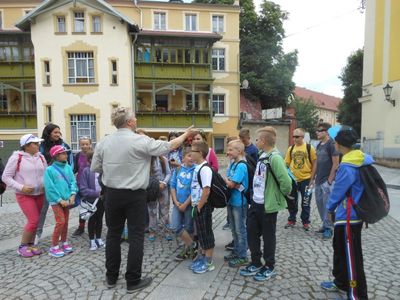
305, 205
341, 261
259, 223
121, 205
95, 223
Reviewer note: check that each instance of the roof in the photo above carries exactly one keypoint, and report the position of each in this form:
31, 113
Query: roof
25, 22
188, 34
320, 100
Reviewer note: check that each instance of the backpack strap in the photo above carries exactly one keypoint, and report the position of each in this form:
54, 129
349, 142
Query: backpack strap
267, 162
198, 174
62, 173
19, 162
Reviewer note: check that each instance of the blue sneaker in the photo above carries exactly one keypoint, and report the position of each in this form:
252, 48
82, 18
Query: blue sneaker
204, 267
329, 286
327, 235
264, 274
195, 263
250, 270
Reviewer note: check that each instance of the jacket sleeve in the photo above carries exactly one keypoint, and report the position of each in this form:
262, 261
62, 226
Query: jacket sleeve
73, 187
84, 185
9, 173
343, 181
280, 171
213, 160
167, 171
52, 194
97, 159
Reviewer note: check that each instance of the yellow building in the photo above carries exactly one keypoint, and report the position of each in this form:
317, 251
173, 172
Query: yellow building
175, 64
380, 126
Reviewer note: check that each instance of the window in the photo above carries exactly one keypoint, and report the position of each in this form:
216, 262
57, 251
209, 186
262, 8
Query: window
162, 102
96, 24
80, 67
159, 21
79, 21
114, 72
49, 114
3, 102
82, 125
218, 104
190, 22
189, 102
28, 54
219, 144
1, 20
143, 54
218, 24
33, 103
61, 25
46, 67
218, 59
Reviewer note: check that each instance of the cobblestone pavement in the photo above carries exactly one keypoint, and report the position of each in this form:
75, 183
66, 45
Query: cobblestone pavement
303, 261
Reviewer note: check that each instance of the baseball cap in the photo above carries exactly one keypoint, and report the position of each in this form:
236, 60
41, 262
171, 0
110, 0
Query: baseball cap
29, 138
57, 149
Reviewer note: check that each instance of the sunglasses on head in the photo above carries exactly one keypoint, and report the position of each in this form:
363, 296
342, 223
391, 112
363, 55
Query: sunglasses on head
297, 136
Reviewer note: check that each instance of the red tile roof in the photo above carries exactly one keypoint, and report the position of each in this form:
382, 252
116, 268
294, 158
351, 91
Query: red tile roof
321, 100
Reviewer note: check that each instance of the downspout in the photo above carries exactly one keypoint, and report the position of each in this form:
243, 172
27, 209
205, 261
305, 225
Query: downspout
134, 103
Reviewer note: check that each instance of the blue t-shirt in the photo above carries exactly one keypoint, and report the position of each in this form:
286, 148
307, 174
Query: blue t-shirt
237, 172
181, 182
252, 151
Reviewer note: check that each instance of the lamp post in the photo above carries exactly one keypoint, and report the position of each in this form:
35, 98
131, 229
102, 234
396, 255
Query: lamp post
387, 90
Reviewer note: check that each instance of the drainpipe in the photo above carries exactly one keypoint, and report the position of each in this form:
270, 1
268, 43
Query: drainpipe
133, 73
140, 12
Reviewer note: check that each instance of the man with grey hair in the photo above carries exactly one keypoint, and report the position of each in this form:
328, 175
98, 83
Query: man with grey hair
123, 158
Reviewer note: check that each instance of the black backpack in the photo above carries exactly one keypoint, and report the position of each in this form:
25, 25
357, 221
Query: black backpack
250, 175
3, 186
219, 191
374, 202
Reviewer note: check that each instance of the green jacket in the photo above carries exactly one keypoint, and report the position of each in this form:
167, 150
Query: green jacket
274, 199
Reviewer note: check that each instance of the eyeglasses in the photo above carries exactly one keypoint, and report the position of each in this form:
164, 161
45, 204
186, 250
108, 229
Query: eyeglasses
320, 130
297, 136
195, 151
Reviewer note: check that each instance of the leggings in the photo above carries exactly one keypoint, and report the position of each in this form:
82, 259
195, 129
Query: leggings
95, 223
31, 206
61, 215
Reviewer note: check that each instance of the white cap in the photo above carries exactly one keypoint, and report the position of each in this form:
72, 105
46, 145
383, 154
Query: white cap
29, 138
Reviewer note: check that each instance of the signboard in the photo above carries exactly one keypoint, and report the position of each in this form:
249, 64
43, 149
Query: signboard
273, 113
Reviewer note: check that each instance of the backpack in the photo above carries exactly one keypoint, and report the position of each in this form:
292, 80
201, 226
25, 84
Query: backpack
3, 186
153, 189
308, 146
219, 191
250, 175
374, 202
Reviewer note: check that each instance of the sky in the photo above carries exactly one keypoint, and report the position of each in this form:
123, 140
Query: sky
325, 33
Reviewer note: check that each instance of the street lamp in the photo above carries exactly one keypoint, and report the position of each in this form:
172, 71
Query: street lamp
388, 91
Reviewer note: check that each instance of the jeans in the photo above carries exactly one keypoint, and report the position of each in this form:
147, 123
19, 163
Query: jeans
322, 192
121, 205
237, 216
259, 223
305, 205
182, 220
161, 206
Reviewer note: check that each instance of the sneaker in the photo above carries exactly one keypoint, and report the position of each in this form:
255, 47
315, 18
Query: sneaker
79, 231
227, 226
230, 257
250, 270
290, 224
35, 250
143, 283
111, 283
151, 238
168, 237
306, 227
204, 267
191, 253
197, 261
67, 248
24, 251
93, 246
100, 243
230, 246
238, 262
264, 274
181, 255
321, 230
329, 286
56, 252
327, 235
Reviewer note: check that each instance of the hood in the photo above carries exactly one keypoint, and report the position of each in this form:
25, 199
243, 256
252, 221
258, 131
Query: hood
26, 154
357, 158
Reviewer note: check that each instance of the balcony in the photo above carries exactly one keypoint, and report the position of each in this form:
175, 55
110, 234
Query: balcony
174, 119
16, 70
18, 120
173, 71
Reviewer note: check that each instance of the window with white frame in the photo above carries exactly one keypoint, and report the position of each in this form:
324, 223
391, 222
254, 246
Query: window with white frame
79, 21
160, 21
82, 126
49, 113
190, 22
61, 24
46, 68
218, 24
219, 144
114, 72
218, 59
80, 67
96, 24
218, 104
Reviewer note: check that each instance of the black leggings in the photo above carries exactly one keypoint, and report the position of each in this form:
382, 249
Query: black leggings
95, 224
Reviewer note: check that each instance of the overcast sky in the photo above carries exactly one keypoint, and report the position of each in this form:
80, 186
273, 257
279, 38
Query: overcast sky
325, 32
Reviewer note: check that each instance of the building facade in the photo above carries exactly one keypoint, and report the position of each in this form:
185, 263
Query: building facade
175, 64
380, 122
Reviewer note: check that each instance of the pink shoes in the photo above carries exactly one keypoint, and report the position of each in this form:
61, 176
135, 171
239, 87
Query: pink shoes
24, 251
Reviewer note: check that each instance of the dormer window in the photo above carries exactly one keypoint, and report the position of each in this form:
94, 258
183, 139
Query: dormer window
79, 21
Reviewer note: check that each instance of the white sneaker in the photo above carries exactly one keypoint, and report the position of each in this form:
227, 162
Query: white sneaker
100, 243
93, 245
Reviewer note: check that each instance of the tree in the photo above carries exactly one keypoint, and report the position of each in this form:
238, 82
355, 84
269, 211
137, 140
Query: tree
306, 115
351, 77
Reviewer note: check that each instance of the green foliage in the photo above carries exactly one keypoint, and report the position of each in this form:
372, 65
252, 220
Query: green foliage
350, 108
306, 115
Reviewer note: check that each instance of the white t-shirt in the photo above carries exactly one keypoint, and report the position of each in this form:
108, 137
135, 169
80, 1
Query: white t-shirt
206, 177
259, 181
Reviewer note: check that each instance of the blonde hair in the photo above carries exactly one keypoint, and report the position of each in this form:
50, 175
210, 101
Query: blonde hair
300, 129
269, 133
238, 145
231, 138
